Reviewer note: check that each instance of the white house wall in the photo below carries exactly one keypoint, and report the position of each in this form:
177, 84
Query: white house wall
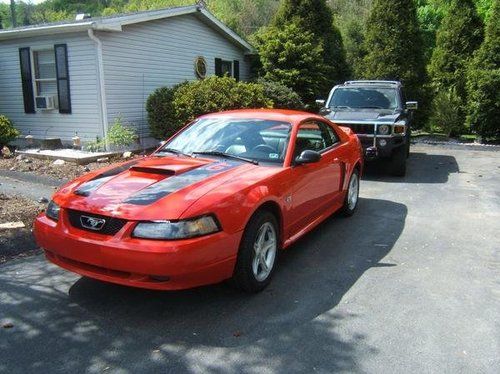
154, 54
84, 119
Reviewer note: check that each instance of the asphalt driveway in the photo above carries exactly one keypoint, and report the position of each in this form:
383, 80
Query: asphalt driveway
411, 283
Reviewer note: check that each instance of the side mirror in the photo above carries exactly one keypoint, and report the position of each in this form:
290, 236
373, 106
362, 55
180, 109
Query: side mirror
412, 105
308, 157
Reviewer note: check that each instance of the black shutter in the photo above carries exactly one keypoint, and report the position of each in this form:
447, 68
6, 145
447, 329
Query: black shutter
27, 80
218, 67
62, 74
236, 70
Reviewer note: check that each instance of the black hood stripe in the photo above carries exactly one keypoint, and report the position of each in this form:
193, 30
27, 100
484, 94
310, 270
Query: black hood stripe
175, 183
93, 184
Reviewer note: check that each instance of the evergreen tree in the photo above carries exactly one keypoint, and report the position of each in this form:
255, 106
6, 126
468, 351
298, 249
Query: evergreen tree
291, 56
460, 34
483, 84
316, 17
394, 45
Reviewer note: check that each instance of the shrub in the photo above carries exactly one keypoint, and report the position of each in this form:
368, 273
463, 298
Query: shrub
446, 115
7, 131
282, 96
170, 108
161, 116
119, 135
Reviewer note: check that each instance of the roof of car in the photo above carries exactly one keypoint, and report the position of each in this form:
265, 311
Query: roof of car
378, 83
284, 115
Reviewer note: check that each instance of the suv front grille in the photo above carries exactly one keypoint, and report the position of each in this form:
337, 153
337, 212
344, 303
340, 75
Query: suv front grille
362, 128
111, 225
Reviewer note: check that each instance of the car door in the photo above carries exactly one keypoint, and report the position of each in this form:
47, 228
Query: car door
315, 185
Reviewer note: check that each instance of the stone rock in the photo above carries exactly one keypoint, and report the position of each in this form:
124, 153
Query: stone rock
6, 153
103, 159
127, 154
28, 161
59, 162
43, 200
86, 169
20, 158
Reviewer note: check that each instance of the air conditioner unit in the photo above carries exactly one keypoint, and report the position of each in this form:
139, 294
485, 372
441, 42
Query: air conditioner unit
45, 102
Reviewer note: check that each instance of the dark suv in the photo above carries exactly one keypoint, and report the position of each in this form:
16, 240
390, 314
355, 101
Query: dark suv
379, 114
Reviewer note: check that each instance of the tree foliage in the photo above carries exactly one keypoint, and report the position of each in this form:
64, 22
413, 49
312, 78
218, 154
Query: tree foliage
459, 36
316, 17
394, 45
292, 56
483, 85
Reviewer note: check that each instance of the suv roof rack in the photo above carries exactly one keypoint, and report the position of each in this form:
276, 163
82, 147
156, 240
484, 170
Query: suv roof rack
393, 83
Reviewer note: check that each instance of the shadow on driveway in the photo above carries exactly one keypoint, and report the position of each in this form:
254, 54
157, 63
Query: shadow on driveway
292, 325
420, 168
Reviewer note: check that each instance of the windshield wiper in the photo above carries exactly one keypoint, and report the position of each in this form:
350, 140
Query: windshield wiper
226, 155
341, 107
174, 151
371, 107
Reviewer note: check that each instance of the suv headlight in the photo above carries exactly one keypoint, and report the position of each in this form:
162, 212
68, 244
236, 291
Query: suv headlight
174, 230
53, 210
384, 130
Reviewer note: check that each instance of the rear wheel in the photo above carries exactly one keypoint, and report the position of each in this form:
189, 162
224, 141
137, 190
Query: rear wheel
399, 161
257, 254
352, 195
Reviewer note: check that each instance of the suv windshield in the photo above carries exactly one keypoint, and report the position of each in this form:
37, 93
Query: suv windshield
252, 139
364, 98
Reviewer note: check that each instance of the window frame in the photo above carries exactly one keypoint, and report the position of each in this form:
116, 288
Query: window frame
33, 52
337, 140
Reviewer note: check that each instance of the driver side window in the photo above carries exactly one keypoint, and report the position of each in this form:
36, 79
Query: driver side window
314, 136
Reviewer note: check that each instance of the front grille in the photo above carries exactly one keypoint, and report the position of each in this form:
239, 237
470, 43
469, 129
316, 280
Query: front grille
110, 227
362, 128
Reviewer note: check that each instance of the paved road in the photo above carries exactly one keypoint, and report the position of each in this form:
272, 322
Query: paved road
409, 284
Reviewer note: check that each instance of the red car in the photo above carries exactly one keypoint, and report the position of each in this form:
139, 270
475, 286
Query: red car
217, 201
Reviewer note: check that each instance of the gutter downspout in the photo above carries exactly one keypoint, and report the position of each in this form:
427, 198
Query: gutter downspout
100, 72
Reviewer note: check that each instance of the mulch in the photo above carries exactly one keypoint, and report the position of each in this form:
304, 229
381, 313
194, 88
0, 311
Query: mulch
18, 242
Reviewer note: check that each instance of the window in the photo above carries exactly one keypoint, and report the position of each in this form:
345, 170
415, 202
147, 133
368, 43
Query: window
44, 72
44, 65
314, 136
226, 67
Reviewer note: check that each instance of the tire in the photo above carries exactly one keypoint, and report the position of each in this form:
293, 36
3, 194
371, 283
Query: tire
399, 162
352, 195
253, 271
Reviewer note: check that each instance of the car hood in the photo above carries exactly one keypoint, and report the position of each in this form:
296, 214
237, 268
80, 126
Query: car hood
151, 188
363, 116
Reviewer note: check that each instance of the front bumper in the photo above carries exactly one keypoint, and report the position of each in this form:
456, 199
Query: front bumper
152, 264
374, 149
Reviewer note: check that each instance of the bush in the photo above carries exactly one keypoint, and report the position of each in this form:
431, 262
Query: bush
7, 131
170, 108
446, 115
161, 117
282, 96
119, 135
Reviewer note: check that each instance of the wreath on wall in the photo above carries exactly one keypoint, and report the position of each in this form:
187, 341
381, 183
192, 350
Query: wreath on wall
200, 67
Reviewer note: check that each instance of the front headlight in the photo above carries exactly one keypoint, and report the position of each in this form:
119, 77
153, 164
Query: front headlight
384, 130
53, 211
400, 128
169, 230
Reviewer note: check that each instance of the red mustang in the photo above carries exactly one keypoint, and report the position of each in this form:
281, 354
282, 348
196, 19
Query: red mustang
217, 201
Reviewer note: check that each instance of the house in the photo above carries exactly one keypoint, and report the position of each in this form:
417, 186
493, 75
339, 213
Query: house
77, 77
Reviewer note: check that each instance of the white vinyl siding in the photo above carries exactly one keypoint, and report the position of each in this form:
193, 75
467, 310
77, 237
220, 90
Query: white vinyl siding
85, 117
158, 53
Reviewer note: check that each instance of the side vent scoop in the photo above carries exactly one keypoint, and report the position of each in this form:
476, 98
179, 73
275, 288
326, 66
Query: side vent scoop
139, 169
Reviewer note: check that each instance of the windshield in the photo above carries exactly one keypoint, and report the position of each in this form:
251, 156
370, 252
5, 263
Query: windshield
364, 97
253, 139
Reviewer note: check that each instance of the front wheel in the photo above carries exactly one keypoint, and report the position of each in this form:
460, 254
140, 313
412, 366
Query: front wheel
352, 195
257, 254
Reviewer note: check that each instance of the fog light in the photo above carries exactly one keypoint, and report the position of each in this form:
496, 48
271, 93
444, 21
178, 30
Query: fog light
382, 142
